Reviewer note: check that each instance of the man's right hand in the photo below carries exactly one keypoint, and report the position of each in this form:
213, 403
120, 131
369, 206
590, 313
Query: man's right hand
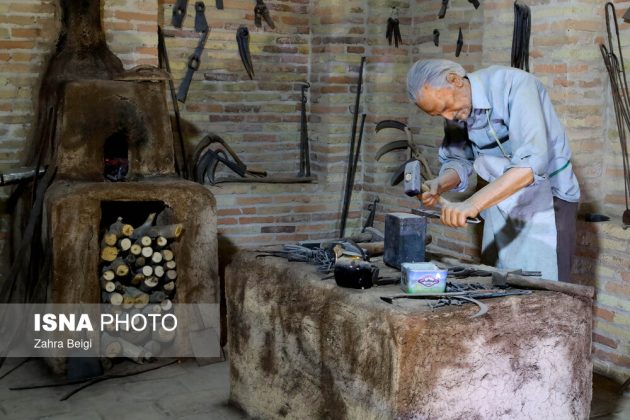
432, 197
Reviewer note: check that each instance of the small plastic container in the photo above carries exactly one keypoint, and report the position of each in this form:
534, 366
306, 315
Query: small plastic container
422, 278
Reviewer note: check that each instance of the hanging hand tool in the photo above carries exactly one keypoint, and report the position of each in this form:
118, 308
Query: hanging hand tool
436, 37
242, 39
179, 13
348, 187
474, 3
520, 36
262, 12
415, 153
615, 67
206, 160
219, 4
369, 222
393, 28
442, 12
460, 43
201, 24
181, 163
305, 160
193, 66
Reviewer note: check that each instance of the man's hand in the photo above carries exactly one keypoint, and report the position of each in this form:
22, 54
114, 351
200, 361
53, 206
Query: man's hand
445, 182
431, 197
455, 214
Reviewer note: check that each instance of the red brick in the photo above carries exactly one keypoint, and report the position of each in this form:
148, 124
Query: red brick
604, 314
148, 17
9, 45
277, 229
255, 219
608, 342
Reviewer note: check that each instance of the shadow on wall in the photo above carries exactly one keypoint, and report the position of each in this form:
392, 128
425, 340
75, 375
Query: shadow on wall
227, 249
587, 252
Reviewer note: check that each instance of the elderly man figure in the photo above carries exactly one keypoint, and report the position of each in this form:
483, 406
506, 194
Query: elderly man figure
518, 145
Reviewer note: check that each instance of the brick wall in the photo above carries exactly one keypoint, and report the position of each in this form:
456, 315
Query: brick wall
322, 43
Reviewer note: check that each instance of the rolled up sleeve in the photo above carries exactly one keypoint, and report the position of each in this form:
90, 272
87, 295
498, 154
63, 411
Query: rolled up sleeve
527, 128
458, 157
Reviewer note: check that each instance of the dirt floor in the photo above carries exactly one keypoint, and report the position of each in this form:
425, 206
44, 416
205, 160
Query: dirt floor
181, 391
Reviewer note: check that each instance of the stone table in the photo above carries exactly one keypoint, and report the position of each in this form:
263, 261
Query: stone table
302, 347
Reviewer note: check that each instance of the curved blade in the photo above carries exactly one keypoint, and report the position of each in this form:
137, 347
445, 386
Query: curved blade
483, 308
390, 124
394, 145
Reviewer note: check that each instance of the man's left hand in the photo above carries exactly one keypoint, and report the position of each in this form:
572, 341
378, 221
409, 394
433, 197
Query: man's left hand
455, 214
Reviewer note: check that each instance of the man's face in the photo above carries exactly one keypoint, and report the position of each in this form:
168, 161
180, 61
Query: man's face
452, 102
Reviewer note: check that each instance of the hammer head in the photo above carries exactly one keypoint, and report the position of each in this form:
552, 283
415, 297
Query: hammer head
412, 179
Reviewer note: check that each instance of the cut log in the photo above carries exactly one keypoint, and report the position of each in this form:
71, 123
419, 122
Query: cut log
161, 241
145, 241
124, 244
157, 297
158, 271
166, 305
109, 239
167, 231
147, 271
137, 279
108, 286
135, 297
109, 253
114, 298
120, 229
156, 258
140, 261
152, 308
107, 363
120, 288
108, 274
130, 260
135, 249
120, 267
147, 252
143, 228
148, 285
135, 353
153, 347
167, 255
110, 345
169, 287
163, 336
171, 275
170, 265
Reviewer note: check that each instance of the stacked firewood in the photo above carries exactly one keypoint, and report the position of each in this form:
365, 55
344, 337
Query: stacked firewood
138, 274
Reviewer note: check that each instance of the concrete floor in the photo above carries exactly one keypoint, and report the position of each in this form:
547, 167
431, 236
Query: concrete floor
182, 391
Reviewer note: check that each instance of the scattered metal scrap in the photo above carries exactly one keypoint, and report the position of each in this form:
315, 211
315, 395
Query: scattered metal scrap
448, 298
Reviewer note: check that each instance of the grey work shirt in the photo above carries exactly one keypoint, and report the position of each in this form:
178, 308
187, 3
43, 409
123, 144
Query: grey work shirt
520, 113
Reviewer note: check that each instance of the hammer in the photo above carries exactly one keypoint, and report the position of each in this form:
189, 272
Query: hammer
412, 180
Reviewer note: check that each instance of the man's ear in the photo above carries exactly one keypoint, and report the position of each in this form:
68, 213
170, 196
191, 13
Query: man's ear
455, 79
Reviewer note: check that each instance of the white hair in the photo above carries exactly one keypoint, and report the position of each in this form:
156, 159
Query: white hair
430, 72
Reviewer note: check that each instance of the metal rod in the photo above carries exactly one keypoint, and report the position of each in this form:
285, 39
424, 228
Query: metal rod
163, 57
348, 189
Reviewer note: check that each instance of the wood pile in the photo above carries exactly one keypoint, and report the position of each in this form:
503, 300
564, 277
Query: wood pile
138, 274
